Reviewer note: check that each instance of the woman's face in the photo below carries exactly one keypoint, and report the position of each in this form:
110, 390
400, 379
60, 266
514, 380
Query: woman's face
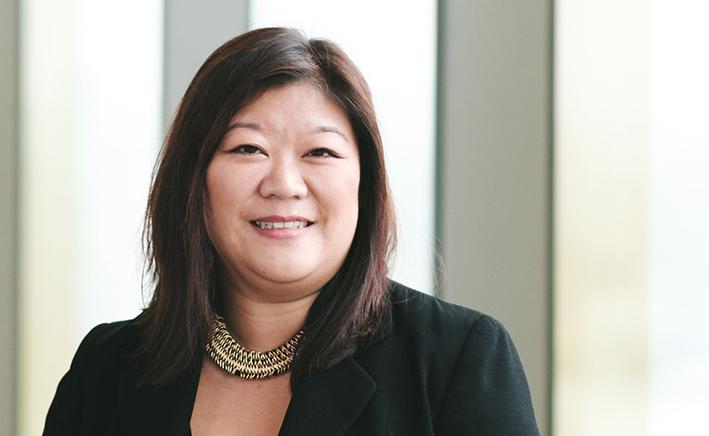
283, 193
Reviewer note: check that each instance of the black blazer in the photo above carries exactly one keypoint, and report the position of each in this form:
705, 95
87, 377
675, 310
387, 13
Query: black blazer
433, 369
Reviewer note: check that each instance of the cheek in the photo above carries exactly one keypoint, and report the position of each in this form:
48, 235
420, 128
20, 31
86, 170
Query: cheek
341, 196
225, 199
227, 188
218, 185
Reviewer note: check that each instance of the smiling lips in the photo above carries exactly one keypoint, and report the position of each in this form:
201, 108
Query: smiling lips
283, 225
280, 226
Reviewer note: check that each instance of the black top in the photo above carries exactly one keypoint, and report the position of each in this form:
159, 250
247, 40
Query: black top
433, 368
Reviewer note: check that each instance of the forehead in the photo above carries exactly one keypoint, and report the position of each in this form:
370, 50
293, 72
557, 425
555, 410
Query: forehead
293, 107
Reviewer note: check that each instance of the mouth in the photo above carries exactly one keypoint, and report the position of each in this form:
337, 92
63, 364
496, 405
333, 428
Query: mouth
268, 225
277, 222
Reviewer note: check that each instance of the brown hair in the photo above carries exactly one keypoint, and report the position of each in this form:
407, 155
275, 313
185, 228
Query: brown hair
180, 256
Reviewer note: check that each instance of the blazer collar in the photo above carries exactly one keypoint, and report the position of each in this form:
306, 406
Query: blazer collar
329, 401
165, 411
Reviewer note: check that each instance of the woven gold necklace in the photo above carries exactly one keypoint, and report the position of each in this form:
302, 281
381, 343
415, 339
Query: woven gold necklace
235, 359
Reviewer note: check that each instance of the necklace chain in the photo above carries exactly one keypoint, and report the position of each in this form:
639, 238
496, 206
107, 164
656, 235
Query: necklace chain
236, 359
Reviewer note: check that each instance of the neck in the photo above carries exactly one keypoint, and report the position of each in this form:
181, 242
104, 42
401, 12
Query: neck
262, 325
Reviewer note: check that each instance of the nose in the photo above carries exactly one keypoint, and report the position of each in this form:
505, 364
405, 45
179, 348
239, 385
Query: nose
283, 180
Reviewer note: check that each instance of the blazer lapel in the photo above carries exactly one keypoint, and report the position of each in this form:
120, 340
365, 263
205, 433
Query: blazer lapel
165, 411
329, 402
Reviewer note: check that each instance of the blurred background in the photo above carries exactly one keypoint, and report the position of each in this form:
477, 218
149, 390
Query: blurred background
549, 161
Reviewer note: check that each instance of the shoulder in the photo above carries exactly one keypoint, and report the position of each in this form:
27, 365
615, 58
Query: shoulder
106, 348
93, 374
107, 342
430, 318
107, 335
466, 361
443, 338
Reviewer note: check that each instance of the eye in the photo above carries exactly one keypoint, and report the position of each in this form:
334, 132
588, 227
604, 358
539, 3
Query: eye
321, 152
246, 149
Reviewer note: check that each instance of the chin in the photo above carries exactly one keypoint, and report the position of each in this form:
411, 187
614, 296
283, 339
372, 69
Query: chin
284, 273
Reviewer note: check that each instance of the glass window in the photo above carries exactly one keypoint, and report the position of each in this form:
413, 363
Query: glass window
90, 107
632, 243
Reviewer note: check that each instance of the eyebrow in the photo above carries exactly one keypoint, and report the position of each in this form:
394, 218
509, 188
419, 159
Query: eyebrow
329, 129
240, 125
257, 127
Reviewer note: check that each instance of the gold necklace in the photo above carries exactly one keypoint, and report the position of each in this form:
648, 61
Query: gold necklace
236, 359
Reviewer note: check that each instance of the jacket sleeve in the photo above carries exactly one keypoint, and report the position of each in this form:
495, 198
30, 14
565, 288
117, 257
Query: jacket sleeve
487, 393
64, 413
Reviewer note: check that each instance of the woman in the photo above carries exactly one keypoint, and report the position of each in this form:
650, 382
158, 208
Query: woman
269, 227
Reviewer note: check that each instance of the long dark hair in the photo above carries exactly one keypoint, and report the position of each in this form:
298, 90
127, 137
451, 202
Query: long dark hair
180, 257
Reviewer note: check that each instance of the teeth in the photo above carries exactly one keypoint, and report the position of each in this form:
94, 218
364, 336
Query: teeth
281, 225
